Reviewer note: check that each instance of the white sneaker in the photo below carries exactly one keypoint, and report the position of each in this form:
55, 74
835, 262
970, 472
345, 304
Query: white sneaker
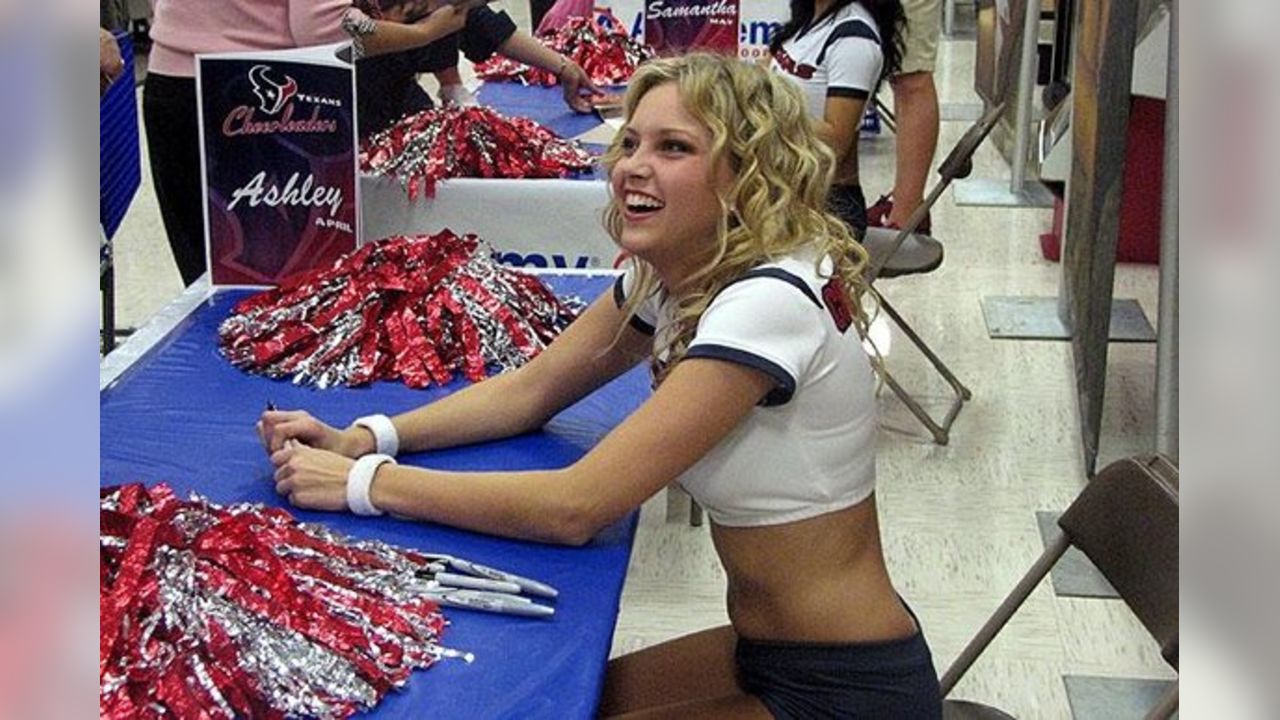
457, 95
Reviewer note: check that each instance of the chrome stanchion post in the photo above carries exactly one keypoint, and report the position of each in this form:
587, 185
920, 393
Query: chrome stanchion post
1167, 322
1018, 192
1026, 89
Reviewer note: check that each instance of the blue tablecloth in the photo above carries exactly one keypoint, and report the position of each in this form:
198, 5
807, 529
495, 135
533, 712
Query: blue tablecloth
542, 104
183, 415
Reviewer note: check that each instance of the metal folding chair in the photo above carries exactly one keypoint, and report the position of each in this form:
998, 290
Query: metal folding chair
1126, 522
898, 252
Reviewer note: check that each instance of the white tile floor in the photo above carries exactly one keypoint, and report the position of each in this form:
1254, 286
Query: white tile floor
959, 521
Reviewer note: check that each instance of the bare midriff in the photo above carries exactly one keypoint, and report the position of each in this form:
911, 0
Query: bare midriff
817, 580
847, 171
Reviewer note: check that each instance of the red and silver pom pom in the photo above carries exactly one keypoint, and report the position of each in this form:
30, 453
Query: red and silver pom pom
599, 44
241, 611
414, 309
478, 142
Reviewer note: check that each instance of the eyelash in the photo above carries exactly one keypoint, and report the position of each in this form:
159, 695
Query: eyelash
629, 145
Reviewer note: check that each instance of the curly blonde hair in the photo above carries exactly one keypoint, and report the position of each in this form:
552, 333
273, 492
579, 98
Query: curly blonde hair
776, 203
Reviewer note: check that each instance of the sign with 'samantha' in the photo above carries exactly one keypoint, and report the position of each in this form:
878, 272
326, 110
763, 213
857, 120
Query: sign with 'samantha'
756, 22
674, 27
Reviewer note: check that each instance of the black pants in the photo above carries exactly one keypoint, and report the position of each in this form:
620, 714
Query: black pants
847, 203
538, 9
173, 144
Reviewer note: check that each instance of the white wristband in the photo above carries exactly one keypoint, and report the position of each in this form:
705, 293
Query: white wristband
384, 433
360, 479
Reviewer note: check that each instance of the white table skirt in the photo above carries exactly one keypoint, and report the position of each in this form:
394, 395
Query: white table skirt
539, 223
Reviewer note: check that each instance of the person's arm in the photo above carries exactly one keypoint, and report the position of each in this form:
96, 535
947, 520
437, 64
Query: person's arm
581, 359
756, 342
840, 124
574, 81
698, 404
110, 64
313, 22
388, 37
853, 65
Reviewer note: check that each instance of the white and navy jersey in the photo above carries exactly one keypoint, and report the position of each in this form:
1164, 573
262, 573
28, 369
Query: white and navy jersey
809, 447
837, 55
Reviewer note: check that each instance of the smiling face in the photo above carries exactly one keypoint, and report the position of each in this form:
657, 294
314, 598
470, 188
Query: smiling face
666, 187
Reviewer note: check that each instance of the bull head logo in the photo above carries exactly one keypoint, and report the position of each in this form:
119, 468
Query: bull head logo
271, 95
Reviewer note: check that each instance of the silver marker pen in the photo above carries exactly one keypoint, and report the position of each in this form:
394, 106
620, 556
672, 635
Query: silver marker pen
533, 587
493, 602
474, 583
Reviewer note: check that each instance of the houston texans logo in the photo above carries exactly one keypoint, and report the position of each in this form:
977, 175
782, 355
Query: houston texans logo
271, 95
800, 70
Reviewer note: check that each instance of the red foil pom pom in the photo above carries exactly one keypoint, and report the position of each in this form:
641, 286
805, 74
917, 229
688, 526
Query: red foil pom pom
414, 309
241, 611
599, 44
478, 142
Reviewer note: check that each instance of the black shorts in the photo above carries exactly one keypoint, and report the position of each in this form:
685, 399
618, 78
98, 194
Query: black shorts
891, 679
848, 203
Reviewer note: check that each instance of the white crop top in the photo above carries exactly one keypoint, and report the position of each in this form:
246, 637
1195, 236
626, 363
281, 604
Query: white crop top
838, 55
809, 447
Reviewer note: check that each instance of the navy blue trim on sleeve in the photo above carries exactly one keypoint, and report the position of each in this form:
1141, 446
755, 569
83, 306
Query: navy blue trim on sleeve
854, 93
786, 384
619, 294
640, 325
620, 299
852, 28
779, 274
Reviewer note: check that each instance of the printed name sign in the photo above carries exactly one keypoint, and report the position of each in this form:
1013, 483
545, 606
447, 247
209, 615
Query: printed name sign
278, 158
757, 21
674, 27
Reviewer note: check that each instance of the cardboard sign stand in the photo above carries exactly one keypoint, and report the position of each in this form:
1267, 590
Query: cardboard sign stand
278, 162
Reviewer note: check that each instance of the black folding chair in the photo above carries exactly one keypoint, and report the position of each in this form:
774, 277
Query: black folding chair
898, 252
1126, 522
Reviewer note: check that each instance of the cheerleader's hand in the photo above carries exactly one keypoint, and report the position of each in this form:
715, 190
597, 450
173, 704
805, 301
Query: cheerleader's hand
311, 478
577, 87
276, 427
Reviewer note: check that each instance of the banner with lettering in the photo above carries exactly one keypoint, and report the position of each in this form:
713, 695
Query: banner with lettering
757, 20
278, 157
674, 27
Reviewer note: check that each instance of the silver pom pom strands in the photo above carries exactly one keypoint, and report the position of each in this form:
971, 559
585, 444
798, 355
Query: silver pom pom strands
414, 309
422, 149
599, 44
241, 611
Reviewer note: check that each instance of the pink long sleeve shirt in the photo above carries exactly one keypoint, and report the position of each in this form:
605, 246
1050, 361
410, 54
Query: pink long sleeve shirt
183, 28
